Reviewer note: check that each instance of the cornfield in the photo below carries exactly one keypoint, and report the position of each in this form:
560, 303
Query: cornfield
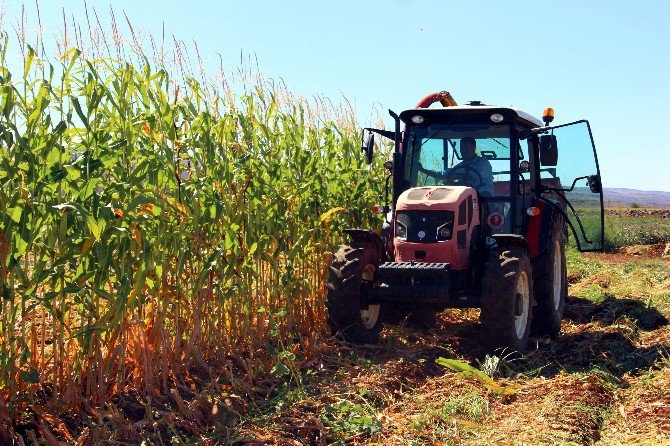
152, 223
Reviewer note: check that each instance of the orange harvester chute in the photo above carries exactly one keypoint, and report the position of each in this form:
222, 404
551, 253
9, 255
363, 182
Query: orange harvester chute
443, 97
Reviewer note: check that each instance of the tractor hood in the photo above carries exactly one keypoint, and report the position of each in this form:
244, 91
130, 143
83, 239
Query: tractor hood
438, 198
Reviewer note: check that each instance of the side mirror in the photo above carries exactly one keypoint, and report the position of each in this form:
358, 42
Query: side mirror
524, 166
368, 148
594, 184
548, 150
388, 165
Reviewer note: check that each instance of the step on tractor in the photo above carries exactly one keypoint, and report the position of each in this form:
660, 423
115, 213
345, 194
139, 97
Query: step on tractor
479, 201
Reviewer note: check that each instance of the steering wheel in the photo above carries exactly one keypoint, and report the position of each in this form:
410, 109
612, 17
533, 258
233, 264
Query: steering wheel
453, 180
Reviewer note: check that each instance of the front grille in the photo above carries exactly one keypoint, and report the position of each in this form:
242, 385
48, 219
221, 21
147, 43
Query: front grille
414, 282
425, 223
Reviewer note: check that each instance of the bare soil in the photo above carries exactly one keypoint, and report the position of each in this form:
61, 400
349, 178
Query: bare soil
659, 213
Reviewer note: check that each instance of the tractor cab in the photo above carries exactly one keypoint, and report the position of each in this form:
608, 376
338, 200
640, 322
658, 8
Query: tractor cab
515, 164
473, 146
480, 203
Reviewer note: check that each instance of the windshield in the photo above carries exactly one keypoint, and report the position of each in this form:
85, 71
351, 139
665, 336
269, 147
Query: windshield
475, 155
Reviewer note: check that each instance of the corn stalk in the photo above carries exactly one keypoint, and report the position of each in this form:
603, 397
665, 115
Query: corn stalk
152, 222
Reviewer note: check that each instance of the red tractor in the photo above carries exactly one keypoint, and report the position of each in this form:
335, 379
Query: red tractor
479, 218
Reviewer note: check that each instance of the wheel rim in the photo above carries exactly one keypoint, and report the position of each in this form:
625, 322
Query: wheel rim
558, 277
523, 303
371, 315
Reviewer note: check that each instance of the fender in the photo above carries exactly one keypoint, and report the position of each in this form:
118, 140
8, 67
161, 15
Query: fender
512, 240
368, 236
534, 228
539, 227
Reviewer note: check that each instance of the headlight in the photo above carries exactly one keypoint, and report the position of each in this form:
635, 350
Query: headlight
400, 230
444, 232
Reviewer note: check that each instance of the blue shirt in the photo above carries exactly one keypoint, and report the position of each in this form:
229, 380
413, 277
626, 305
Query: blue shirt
484, 169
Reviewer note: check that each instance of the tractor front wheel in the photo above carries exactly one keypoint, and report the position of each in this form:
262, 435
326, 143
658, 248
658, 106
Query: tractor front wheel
507, 298
350, 282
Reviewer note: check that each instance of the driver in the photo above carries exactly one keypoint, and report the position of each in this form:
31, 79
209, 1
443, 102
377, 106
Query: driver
471, 161
477, 163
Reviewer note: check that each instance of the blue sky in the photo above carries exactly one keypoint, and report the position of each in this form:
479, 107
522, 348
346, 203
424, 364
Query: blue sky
606, 61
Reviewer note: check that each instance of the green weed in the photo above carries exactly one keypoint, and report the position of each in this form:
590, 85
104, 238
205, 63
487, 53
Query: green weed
622, 230
628, 231
471, 407
348, 418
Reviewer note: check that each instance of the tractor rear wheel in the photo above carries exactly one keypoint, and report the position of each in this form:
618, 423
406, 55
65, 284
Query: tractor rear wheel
350, 281
550, 281
507, 298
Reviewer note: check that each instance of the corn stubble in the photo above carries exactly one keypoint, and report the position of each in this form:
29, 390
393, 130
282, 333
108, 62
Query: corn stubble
152, 223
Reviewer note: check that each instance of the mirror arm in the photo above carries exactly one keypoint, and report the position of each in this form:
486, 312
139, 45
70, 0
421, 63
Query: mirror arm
385, 133
556, 189
525, 134
575, 182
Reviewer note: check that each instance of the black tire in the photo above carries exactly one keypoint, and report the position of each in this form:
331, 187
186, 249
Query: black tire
351, 274
476, 261
508, 272
550, 279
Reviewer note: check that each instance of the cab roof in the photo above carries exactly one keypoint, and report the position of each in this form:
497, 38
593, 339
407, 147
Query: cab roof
471, 113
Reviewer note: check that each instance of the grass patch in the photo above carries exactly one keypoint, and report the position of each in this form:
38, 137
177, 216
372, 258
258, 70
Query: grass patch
579, 266
448, 419
645, 279
622, 229
628, 231
470, 407
353, 417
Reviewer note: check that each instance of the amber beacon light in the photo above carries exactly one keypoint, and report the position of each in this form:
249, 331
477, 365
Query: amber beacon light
548, 115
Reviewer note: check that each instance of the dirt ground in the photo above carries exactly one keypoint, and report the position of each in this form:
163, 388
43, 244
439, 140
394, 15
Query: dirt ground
662, 213
604, 381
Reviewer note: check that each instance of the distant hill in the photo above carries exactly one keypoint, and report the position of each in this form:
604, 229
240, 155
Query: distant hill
619, 198
645, 198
